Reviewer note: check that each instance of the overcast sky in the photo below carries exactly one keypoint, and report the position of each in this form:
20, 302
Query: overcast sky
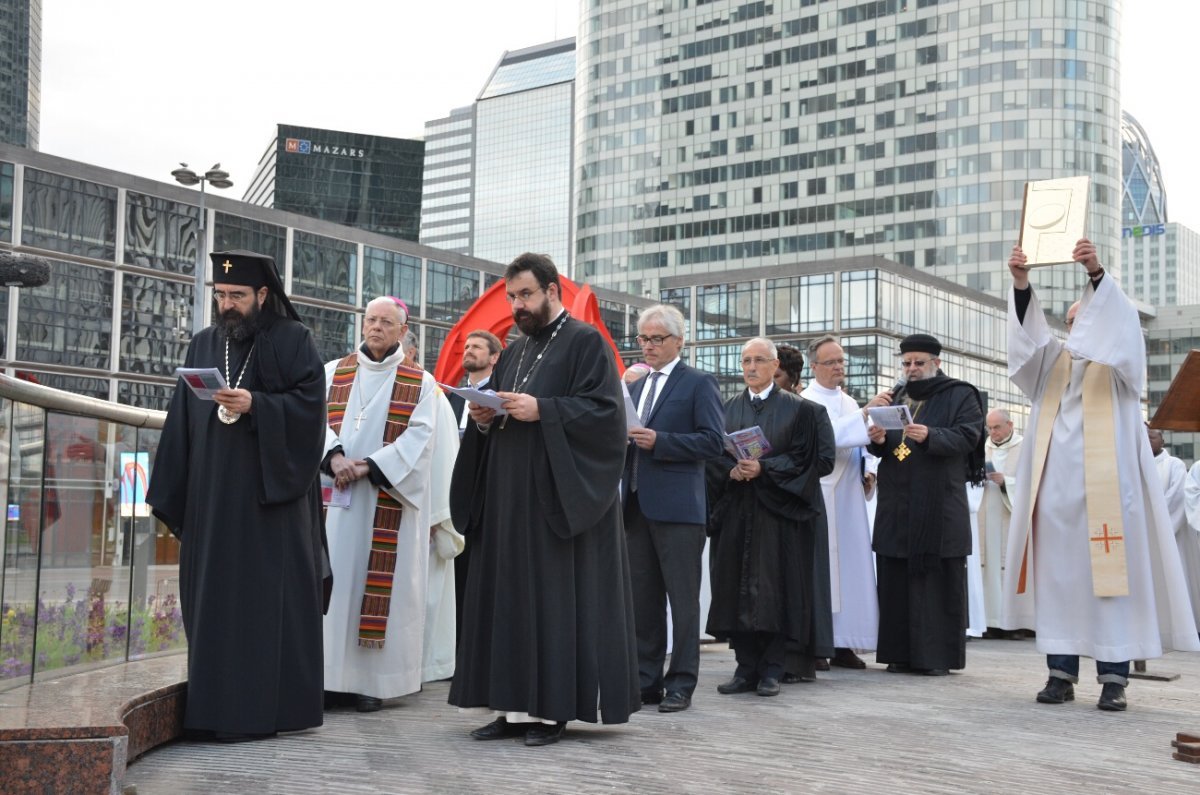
140, 85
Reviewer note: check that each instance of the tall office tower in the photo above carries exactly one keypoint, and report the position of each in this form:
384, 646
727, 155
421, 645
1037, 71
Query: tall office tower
365, 181
724, 134
511, 192
446, 187
1161, 258
1143, 192
20, 71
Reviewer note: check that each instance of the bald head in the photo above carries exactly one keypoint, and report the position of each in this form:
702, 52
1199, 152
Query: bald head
1156, 440
999, 426
1071, 313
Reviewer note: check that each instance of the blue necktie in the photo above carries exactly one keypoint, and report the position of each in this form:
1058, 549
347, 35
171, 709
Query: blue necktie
649, 404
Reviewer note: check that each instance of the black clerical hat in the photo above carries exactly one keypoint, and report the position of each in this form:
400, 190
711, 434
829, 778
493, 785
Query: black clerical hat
921, 343
252, 270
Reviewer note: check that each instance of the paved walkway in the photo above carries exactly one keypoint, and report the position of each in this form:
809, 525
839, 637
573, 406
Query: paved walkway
979, 730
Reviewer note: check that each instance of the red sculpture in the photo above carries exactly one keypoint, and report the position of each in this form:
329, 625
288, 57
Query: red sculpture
492, 313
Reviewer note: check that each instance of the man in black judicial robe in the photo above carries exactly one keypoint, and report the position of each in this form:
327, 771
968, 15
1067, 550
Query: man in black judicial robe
922, 523
548, 628
764, 520
242, 496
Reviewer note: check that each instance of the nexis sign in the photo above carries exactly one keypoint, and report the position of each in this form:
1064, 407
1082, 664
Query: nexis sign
302, 146
1143, 231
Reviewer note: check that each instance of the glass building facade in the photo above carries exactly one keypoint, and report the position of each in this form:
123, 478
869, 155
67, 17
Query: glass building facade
721, 135
499, 172
1170, 335
869, 303
114, 320
365, 181
447, 186
20, 71
1143, 193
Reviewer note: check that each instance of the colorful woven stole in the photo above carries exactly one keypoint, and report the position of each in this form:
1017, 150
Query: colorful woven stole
381, 565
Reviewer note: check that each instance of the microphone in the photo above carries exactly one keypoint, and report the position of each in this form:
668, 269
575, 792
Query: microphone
18, 270
899, 385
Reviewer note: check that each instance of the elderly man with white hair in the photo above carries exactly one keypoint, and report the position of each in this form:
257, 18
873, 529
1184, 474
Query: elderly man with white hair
767, 508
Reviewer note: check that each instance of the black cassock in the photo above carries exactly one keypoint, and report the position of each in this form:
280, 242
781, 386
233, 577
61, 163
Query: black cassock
922, 533
244, 500
548, 616
763, 530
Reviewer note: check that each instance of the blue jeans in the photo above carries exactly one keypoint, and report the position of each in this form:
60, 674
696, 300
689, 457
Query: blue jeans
1066, 666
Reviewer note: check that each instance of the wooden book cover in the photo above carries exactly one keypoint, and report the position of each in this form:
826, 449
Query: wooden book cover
1180, 409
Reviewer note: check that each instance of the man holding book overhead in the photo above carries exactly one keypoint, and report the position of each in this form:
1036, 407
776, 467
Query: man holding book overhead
765, 501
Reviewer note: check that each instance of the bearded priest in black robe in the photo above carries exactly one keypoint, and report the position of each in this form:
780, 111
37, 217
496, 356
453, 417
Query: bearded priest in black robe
235, 479
547, 632
922, 523
765, 514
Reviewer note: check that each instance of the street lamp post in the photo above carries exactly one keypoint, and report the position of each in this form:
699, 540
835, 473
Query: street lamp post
218, 179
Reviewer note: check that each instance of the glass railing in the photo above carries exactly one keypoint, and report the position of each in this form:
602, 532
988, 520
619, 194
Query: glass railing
88, 576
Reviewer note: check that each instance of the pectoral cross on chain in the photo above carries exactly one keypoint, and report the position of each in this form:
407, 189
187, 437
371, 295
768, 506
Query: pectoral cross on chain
902, 451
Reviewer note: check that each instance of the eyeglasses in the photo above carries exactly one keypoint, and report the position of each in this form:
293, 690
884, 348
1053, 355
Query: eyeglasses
656, 341
832, 363
756, 361
915, 363
234, 296
522, 296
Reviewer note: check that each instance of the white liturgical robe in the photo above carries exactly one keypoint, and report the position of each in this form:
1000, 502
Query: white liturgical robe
994, 514
851, 562
394, 670
445, 543
976, 620
1183, 500
1058, 601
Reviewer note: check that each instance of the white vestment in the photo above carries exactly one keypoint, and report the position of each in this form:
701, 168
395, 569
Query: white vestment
1058, 601
445, 543
855, 598
991, 540
976, 618
1183, 500
394, 670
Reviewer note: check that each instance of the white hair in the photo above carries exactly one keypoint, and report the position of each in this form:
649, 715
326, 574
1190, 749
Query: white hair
770, 346
670, 318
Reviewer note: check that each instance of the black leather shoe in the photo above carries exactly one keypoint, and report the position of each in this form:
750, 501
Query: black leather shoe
768, 686
1056, 691
846, 658
791, 679
368, 704
1112, 698
675, 702
652, 696
334, 700
899, 668
738, 684
545, 733
499, 729
936, 672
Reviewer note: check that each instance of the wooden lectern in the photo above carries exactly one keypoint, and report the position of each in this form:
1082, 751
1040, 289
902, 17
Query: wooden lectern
1180, 409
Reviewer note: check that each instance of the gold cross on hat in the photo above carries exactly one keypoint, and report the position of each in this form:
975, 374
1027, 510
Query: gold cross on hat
227, 266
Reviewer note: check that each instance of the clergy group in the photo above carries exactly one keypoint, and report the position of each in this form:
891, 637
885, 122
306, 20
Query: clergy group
557, 543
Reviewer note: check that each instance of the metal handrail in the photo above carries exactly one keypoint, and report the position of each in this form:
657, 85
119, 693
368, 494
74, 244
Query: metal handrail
82, 405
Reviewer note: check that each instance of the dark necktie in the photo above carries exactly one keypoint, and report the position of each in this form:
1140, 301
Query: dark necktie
645, 417
756, 404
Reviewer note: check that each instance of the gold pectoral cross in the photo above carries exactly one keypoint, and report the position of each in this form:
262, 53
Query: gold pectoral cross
902, 451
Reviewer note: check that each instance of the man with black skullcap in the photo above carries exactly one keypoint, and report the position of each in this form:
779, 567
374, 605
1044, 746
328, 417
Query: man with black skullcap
922, 524
235, 479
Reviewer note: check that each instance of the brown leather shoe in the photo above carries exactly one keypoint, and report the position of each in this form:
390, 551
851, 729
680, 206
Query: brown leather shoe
846, 658
822, 664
